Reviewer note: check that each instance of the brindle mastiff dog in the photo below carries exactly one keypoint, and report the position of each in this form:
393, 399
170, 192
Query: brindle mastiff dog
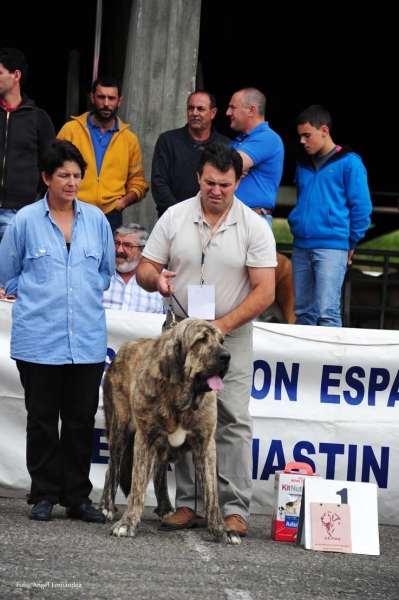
162, 393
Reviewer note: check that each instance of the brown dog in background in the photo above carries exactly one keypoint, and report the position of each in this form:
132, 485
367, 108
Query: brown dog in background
282, 309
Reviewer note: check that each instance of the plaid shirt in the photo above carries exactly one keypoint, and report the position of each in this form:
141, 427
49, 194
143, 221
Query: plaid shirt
130, 296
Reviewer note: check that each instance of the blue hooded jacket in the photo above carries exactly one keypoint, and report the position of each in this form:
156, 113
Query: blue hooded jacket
333, 204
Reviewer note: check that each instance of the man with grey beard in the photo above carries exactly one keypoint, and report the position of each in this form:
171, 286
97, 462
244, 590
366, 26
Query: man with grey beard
123, 292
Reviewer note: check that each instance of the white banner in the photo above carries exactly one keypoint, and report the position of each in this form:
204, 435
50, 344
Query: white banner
325, 396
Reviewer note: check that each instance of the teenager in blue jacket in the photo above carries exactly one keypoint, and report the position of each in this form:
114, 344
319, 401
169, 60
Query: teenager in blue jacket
331, 216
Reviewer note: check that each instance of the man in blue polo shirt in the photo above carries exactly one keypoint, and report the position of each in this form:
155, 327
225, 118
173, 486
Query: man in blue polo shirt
261, 149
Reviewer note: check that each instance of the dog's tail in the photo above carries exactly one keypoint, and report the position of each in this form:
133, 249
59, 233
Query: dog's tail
126, 467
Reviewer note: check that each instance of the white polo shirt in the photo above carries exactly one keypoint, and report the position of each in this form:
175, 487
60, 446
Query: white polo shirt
244, 240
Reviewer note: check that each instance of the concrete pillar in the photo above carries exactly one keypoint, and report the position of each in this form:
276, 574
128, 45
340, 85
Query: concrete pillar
160, 72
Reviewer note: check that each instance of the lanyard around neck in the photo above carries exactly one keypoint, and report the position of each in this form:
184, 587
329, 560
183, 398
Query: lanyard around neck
213, 232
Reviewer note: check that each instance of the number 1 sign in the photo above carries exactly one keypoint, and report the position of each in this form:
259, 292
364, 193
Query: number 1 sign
362, 499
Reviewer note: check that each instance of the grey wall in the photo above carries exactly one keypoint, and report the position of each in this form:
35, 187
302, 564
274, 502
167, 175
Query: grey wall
160, 72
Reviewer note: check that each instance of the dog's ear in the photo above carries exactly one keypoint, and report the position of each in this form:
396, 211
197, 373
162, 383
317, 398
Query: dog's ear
177, 364
170, 364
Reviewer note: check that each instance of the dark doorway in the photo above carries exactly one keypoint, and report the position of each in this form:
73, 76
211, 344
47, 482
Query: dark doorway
47, 37
300, 54
296, 54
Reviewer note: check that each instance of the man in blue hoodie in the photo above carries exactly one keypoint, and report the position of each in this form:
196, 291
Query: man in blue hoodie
331, 216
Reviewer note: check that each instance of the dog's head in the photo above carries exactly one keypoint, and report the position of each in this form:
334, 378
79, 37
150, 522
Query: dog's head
194, 353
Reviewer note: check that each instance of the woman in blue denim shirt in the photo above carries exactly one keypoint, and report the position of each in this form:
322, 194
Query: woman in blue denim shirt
57, 256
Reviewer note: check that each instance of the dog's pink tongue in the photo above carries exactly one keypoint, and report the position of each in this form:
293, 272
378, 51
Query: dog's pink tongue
215, 383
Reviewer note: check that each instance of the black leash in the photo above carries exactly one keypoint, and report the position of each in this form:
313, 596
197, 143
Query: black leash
172, 312
174, 322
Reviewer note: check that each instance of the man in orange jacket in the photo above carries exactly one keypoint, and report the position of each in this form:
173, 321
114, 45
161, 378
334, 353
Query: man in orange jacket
114, 178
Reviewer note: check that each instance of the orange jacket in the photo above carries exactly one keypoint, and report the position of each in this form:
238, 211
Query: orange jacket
122, 168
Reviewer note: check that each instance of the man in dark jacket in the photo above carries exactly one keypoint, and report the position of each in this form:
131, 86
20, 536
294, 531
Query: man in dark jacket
177, 152
24, 131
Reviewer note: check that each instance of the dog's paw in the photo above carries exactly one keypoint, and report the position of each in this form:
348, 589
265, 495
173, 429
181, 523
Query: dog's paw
109, 515
220, 534
233, 538
120, 530
162, 515
163, 512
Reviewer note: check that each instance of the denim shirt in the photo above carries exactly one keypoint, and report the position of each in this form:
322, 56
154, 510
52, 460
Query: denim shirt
58, 317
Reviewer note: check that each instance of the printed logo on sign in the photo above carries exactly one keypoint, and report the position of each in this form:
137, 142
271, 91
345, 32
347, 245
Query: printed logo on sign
291, 522
330, 521
289, 487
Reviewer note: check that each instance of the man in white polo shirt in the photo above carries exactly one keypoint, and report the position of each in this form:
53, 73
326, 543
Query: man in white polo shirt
221, 261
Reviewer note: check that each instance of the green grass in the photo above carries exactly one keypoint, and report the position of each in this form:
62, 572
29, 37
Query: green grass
385, 243
388, 242
282, 231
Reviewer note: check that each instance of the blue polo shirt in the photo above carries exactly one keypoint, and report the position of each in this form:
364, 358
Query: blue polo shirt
259, 188
100, 140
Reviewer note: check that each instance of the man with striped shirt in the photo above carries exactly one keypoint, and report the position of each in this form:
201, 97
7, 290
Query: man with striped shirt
123, 292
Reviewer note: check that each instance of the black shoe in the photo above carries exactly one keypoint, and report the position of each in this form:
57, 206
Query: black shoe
41, 511
86, 512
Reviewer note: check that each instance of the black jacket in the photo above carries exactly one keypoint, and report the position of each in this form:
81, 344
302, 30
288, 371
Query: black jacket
24, 133
174, 166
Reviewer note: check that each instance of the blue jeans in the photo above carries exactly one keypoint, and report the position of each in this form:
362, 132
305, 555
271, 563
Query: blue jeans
6, 216
114, 219
268, 219
318, 277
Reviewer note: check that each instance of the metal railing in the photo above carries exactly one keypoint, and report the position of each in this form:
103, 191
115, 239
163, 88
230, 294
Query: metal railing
370, 293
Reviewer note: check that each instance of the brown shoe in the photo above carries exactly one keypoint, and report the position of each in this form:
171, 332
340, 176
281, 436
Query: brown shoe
236, 523
183, 518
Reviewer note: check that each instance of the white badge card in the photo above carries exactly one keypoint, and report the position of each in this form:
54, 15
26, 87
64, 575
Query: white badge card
201, 301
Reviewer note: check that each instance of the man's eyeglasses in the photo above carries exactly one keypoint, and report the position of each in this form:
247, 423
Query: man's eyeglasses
125, 245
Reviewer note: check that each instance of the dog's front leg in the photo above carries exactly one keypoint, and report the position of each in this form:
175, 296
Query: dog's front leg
205, 465
116, 441
143, 463
164, 506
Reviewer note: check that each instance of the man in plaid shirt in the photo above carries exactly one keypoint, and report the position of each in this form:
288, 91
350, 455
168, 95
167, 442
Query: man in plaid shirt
123, 292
